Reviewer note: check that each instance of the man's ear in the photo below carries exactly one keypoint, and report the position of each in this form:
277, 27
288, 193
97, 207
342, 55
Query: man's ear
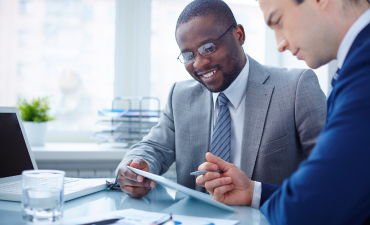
240, 35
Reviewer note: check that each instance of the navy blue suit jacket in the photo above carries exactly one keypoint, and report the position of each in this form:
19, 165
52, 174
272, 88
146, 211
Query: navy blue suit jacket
333, 185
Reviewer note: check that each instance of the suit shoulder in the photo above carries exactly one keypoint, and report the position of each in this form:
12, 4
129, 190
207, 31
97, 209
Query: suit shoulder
188, 85
359, 59
287, 76
356, 69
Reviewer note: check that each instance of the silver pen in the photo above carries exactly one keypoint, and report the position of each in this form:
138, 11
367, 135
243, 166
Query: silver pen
201, 172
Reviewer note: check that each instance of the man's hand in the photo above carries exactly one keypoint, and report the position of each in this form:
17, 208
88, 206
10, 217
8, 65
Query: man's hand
232, 187
133, 184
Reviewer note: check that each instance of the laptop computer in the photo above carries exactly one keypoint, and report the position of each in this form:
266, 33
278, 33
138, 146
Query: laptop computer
16, 156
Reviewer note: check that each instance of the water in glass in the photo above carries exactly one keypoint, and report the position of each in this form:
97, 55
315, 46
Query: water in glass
42, 197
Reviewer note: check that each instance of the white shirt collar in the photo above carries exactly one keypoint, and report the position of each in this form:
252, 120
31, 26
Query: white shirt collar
237, 88
350, 37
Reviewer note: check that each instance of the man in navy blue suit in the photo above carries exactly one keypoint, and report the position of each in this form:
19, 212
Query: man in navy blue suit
333, 185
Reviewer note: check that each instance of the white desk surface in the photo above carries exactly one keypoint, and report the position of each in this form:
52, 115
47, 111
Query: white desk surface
159, 199
78, 151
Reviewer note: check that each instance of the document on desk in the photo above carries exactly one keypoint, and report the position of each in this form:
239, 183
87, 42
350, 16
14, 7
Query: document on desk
139, 217
178, 187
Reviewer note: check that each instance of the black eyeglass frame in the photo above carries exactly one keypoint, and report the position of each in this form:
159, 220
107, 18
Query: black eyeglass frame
214, 44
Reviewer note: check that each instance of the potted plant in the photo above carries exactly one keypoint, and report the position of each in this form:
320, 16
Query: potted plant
35, 115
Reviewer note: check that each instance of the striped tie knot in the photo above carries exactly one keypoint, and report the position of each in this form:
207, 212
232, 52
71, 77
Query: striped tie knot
222, 99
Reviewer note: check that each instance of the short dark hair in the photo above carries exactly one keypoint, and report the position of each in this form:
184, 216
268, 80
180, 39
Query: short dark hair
217, 9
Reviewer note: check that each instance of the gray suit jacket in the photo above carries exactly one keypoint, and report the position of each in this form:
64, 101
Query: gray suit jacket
285, 112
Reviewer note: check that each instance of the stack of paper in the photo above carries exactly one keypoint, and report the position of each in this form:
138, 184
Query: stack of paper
122, 125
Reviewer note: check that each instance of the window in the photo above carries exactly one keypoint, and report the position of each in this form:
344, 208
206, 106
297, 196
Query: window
61, 49
82, 53
24, 7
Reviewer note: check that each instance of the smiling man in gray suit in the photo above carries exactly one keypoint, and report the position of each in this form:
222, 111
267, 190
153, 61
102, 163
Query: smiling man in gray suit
265, 120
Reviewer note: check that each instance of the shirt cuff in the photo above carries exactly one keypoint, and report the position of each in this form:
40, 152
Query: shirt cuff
256, 195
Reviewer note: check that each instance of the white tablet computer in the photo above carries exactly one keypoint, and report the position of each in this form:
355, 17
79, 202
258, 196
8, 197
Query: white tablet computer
178, 187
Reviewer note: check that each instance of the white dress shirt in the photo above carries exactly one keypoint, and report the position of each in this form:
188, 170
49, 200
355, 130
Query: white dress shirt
347, 41
350, 37
236, 95
344, 47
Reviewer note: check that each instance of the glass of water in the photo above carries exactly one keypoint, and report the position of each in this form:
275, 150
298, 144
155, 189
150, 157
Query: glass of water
42, 195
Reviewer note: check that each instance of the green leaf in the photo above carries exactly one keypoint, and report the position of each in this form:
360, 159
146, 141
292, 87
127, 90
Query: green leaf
37, 110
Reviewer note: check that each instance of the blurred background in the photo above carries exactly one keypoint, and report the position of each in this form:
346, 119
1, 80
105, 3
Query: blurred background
83, 53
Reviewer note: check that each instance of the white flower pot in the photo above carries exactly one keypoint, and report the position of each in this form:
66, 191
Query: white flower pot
36, 132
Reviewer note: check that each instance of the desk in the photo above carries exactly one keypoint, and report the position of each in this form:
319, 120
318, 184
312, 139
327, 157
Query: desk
159, 199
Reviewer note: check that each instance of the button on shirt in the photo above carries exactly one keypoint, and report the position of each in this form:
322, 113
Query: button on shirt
236, 95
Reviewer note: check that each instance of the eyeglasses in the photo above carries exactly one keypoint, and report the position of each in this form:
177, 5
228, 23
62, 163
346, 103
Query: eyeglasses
206, 49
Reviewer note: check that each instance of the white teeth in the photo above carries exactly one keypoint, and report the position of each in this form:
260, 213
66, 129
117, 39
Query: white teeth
209, 74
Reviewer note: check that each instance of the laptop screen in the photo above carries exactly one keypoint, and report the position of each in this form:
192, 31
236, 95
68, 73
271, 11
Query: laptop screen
14, 156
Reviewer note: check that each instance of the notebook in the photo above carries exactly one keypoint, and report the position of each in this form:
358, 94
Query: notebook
16, 156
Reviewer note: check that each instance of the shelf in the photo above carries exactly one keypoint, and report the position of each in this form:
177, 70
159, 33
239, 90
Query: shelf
80, 152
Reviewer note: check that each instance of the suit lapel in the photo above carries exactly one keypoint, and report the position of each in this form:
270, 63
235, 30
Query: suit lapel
200, 125
257, 101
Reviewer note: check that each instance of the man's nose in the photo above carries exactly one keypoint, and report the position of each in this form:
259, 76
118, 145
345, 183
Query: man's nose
282, 43
200, 61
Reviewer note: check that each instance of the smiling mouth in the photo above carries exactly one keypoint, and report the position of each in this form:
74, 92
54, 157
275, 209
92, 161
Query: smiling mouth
209, 74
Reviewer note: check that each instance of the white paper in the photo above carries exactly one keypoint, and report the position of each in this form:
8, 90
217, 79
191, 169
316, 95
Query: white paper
139, 217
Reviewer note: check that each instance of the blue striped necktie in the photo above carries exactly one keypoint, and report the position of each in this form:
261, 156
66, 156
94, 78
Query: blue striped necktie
330, 96
220, 144
333, 81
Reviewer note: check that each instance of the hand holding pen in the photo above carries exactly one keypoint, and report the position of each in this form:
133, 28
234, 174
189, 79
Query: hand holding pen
232, 187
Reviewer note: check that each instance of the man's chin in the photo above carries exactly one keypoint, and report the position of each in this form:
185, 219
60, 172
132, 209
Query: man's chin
314, 64
217, 86
212, 88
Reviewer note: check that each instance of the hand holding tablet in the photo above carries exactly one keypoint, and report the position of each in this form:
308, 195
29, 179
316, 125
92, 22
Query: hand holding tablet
175, 186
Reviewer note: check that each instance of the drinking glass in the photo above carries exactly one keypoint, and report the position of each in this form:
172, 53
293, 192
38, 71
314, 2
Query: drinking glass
42, 195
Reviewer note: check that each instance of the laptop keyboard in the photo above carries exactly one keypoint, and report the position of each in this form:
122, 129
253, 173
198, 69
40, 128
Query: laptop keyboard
16, 186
